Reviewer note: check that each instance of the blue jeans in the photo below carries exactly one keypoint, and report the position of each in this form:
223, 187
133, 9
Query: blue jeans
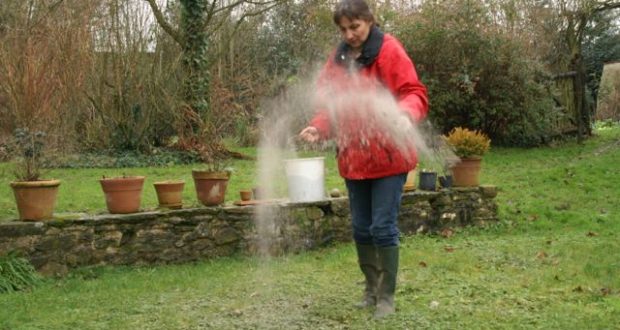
374, 209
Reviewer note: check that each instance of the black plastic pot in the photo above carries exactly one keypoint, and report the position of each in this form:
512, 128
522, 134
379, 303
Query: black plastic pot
445, 181
428, 181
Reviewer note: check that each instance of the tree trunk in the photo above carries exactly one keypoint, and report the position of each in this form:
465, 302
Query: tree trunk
577, 98
195, 65
581, 115
581, 106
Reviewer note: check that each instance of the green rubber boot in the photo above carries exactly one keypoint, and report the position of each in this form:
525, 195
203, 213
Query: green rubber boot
368, 261
388, 269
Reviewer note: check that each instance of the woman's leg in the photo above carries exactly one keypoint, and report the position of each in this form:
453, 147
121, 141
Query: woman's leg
361, 215
386, 194
386, 198
360, 199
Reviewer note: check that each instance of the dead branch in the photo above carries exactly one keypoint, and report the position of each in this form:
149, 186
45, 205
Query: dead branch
159, 16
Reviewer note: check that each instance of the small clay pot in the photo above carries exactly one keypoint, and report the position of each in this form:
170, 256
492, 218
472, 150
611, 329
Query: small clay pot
245, 195
170, 193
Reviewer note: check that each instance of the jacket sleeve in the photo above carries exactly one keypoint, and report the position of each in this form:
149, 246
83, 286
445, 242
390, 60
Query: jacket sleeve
400, 77
321, 119
322, 124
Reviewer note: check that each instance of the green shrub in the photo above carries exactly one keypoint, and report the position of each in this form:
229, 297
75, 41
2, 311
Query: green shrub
477, 74
16, 274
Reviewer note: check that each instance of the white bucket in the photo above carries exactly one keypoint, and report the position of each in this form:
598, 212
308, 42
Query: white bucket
306, 179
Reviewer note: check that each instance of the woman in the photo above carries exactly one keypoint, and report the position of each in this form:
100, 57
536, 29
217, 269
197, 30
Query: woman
373, 167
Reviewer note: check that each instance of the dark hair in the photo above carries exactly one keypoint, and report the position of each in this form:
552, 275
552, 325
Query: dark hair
353, 9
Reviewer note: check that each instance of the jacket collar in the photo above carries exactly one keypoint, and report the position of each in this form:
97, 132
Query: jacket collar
370, 49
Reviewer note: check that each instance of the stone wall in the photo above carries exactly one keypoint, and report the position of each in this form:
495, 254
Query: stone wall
177, 236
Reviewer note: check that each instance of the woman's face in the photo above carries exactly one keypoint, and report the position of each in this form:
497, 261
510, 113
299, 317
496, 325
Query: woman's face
354, 31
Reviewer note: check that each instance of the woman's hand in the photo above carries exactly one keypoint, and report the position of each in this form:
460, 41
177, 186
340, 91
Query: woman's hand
309, 134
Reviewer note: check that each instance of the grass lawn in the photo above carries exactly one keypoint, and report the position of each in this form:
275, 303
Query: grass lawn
551, 263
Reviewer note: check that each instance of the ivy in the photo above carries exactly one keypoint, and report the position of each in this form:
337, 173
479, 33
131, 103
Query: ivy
195, 59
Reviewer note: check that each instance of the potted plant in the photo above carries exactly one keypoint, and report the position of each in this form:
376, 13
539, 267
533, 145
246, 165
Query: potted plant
122, 194
469, 146
211, 182
35, 197
170, 193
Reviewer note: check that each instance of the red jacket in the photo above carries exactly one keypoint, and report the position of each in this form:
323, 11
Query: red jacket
365, 149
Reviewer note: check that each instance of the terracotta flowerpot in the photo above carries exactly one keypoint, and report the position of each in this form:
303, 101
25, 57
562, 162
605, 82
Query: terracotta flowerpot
210, 186
466, 173
245, 195
123, 194
170, 193
35, 199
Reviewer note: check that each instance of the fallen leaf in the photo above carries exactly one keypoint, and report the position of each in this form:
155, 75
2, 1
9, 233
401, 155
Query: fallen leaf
541, 255
533, 217
447, 232
422, 264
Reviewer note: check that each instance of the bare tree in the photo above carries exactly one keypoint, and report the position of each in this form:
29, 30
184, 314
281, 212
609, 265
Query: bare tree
199, 21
